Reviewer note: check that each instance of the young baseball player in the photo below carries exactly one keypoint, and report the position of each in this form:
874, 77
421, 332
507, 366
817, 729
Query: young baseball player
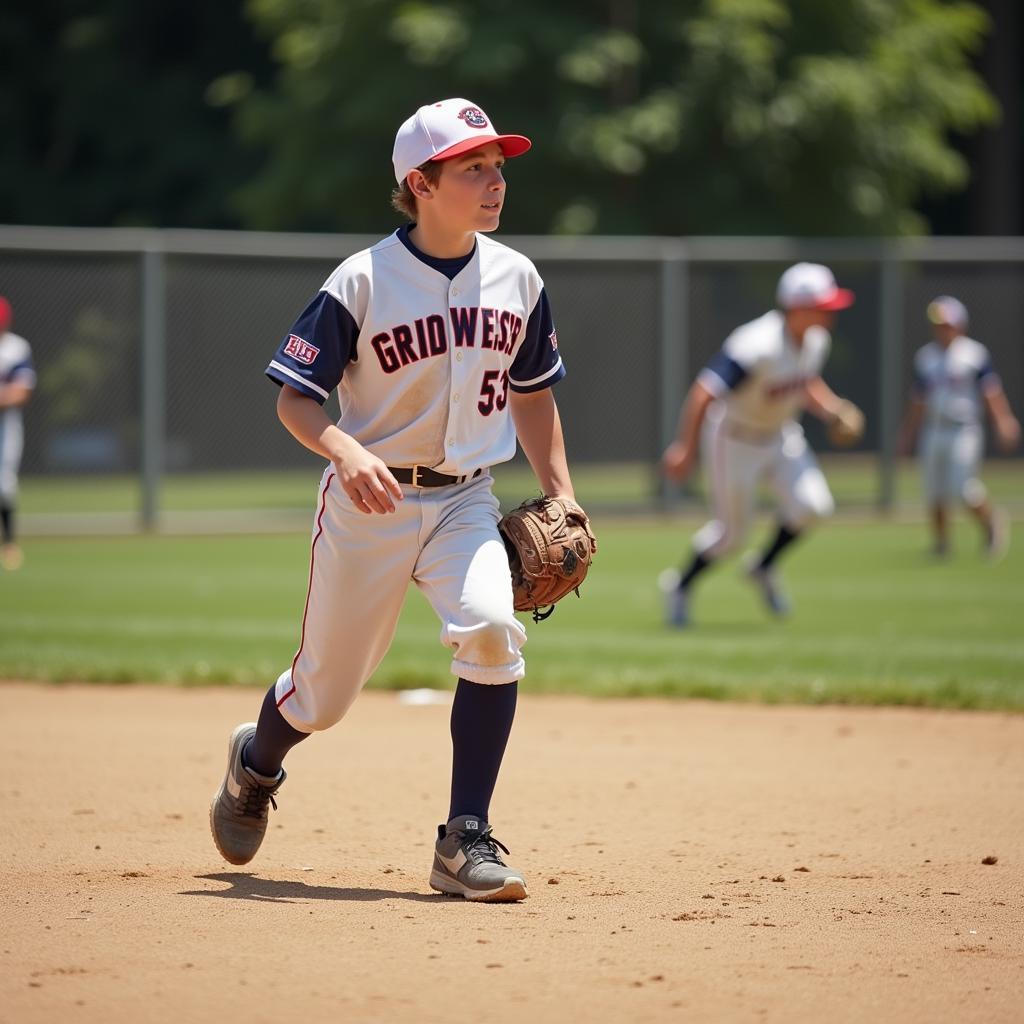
443, 349
953, 377
17, 382
748, 400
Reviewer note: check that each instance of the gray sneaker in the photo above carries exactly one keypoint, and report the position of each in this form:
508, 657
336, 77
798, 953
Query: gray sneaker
238, 814
764, 579
467, 863
677, 605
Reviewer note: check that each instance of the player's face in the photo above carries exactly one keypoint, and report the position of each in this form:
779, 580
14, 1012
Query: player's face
799, 320
471, 191
945, 334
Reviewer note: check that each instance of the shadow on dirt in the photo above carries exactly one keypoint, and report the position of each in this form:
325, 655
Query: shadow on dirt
246, 886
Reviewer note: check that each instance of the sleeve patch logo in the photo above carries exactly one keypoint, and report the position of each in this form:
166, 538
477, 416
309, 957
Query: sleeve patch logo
474, 117
300, 350
553, 338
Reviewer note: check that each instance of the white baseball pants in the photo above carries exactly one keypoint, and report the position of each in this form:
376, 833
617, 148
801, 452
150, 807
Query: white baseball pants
11, 442
446, 540
736, 464
950, 459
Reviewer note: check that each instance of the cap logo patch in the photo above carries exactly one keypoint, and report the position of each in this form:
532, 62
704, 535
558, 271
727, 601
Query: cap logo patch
474, 117
300, 350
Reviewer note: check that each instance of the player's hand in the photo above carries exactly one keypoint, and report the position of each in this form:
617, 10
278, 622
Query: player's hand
1008, 433
367, 481
677, 462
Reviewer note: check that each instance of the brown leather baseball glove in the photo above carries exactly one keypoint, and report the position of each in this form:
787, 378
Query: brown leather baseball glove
846, 427
550, 546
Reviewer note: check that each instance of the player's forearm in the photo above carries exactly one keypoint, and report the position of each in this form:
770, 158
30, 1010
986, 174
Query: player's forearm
13, 395
912, 424
821, 399
691, 417
1006, 424
998, 406
539, 429
307, 422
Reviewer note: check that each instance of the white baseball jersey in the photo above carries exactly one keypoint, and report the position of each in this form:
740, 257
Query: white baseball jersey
760, 373
15, 367
423, 352
950, 381
423, 362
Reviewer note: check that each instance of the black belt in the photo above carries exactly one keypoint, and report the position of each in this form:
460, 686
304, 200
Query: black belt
422, 476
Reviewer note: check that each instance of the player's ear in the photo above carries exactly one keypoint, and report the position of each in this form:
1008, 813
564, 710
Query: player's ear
418, 184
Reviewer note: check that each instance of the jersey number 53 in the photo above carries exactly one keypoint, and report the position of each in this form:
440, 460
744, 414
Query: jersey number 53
493, 391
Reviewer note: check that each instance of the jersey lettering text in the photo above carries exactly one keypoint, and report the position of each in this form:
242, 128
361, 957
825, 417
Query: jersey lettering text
428, 337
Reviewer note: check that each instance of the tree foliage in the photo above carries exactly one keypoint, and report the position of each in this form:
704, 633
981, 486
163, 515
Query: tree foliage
112, 111
663, 116
660, 116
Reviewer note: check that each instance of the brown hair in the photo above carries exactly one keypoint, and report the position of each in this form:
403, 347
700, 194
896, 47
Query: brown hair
402, 198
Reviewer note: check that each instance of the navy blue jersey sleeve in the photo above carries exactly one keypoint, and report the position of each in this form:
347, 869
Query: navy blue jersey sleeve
537, 364
22, 372
987, 376
724, 373
320, 344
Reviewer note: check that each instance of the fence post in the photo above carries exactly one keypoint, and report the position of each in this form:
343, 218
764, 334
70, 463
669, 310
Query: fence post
674, 351
154, 308
890, 365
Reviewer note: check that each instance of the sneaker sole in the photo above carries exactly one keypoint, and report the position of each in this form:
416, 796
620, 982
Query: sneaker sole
513, 890
231, 858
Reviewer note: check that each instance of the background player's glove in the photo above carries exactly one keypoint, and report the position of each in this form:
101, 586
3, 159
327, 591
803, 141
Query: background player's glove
550, 546
847, 425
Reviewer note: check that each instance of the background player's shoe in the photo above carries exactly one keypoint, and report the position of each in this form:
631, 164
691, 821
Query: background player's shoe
467, 863
997, 537
238, 814
764, 579
11, 557
677, 605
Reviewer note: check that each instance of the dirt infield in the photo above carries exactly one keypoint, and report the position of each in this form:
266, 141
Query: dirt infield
686, 861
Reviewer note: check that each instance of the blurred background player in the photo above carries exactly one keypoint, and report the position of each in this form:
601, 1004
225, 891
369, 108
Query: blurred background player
17, 381
748, 399
953, 376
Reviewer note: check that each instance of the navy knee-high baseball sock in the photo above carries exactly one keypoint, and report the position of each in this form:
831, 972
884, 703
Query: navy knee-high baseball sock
6, 523
481, 722
697, 566
274, 738
783, 539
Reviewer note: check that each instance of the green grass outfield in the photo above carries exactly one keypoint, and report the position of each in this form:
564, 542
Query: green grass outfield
69, 504
876, 621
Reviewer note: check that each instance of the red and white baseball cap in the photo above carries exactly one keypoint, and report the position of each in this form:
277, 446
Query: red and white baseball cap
947, 310
439, 131
811, 286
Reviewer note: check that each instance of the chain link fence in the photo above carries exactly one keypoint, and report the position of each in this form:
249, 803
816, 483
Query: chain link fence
151, 346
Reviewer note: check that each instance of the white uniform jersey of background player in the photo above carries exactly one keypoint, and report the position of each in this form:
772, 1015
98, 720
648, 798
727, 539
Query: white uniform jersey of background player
441, 345
746, 403
17, 381
953, 381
